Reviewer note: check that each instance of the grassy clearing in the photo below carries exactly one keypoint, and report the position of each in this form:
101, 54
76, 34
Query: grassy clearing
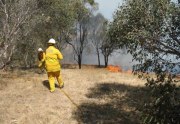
101, 97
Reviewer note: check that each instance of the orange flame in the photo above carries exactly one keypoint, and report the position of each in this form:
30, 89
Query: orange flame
112, 68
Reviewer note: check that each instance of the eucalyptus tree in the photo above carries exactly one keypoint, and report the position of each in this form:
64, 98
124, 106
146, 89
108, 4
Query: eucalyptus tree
67, 21
107, 46
150, 31
14, 14
53, 19
58, 19
79, 34
97, 35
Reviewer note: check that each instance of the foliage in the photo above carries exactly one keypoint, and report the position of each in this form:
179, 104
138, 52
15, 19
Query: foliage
58, 18
79, 35
27, 25
164, 107
14, 14
107, 46
149, 29
97, 33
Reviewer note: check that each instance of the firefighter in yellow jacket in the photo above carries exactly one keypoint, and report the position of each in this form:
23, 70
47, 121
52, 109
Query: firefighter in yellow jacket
41, 58
53, 66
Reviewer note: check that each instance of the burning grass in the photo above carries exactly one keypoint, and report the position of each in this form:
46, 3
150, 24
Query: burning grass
112, 68
101, 97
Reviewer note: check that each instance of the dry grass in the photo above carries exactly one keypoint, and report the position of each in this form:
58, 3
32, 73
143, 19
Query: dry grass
101, 96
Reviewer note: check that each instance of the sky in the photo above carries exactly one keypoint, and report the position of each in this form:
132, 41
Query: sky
107, 7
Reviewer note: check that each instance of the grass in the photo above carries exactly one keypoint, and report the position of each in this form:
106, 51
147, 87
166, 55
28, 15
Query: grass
101, 97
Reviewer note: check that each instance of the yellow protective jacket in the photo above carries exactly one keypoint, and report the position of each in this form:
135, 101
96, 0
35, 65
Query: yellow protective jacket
41, 57
53, 56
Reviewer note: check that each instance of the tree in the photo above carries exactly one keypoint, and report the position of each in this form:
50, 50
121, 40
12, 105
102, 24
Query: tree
107, 46
28, 44
79, 36
107, 49
59, 17
14, 14
150, 31
97, 36
53, 19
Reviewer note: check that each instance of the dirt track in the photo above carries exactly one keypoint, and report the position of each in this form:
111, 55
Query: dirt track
101, 96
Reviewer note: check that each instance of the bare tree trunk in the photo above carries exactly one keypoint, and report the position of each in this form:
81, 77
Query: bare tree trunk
25, 60
7, 57
98, 54
79, 61
106, 60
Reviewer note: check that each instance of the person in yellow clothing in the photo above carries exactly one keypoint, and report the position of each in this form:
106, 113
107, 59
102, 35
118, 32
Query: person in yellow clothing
52, 65
41, 57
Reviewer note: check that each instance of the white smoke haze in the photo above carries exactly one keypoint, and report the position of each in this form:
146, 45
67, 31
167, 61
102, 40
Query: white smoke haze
119, 57
68, 55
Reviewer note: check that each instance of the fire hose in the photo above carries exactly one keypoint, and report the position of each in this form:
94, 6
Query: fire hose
70, 99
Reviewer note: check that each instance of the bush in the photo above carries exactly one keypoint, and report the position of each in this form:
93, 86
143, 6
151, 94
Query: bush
163, 106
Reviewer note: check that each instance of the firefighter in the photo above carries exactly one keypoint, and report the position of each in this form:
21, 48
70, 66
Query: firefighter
41, 58
53, 66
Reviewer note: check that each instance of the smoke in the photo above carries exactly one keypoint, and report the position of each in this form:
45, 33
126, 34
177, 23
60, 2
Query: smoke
119, 57
68, 55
